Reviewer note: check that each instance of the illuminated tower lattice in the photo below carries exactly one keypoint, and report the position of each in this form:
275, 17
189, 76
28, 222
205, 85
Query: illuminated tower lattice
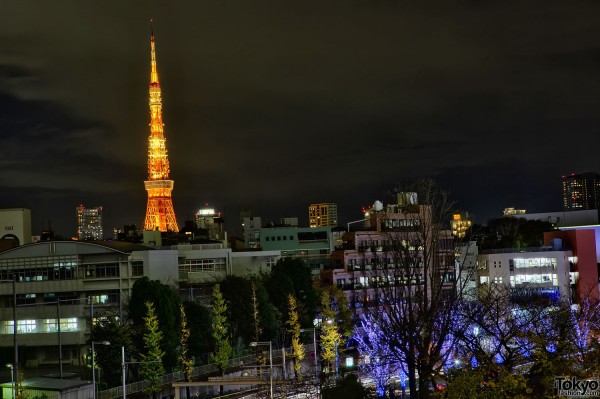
159, 212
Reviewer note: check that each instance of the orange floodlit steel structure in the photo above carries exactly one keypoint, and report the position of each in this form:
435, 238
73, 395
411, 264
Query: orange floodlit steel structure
159, 212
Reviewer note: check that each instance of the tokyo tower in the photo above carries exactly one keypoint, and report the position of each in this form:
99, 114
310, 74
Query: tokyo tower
159, 212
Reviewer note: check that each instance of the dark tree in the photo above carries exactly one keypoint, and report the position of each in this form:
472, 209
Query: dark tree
199, 321
107, 356
166, 302
347, 388
238, 294
293, 276
512, 232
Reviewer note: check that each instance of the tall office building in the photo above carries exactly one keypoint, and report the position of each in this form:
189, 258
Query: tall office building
322, 215
89, 223
160, 214
581, 191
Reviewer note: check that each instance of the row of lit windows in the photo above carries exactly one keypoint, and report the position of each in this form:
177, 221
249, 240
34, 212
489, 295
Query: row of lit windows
102, 270
63, 271
401, 223
544, 278
39, 326
374, 281
203, 265
533, 262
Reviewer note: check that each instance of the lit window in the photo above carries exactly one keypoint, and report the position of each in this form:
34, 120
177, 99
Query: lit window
26, 326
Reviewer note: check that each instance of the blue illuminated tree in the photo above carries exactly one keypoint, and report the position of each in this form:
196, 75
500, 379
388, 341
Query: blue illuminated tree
377, 361
413, 292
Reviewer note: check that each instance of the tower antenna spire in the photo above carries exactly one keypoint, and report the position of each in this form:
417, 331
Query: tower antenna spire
153, 69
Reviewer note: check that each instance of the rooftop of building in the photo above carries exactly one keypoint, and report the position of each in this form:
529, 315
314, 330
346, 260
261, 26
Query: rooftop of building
121, 246
523, 250
50, 384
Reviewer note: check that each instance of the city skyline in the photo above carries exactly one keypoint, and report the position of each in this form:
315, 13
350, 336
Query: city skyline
274, 106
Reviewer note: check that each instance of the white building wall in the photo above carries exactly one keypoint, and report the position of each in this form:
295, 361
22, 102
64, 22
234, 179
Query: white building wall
16, 221
159, 264
203, 265
496, 269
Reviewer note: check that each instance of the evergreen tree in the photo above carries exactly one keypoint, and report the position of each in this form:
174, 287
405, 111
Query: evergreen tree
293, 276
119, 335
199, 321
294, 330
244, 296
187, 364
152, 368
166, 302
220, 333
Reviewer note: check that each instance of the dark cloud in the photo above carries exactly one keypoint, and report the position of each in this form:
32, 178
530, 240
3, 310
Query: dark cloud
274, 105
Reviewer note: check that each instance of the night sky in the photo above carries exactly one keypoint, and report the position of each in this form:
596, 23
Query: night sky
273, 105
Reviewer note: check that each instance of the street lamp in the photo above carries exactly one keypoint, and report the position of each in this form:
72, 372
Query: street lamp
94, 363
12, 380
253, 344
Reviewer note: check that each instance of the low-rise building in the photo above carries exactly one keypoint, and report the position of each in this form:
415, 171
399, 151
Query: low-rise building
313, 245
69, 283
541, 270
566, 267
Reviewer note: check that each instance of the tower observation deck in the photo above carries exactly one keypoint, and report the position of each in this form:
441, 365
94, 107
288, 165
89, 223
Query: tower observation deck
159, 212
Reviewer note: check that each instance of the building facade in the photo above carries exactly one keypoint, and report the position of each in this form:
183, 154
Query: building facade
313, 245
89, 223
584, 243
581, 191
211, 223
528, 271
252, 227
71, 283
323, 215
397, 250
15, 224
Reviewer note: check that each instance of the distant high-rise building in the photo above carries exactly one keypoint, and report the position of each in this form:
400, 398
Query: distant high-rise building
460, 224
581, 191
160, 214
89, 223
322, 215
